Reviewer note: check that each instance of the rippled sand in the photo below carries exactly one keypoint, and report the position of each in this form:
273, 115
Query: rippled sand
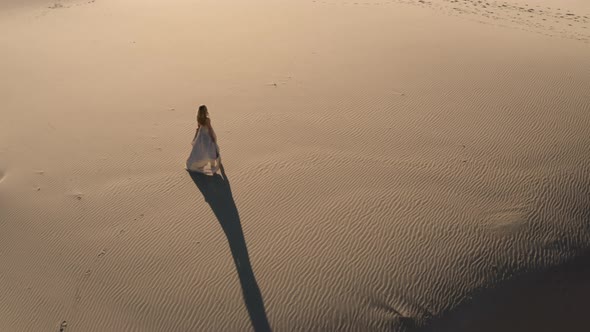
388, 166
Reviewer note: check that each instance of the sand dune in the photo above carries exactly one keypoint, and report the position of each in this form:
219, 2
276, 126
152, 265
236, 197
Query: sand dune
394, 166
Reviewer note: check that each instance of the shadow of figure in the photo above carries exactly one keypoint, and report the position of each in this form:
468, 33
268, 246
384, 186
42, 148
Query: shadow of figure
217, 192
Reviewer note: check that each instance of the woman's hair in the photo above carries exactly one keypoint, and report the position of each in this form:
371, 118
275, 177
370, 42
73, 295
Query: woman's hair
202, 116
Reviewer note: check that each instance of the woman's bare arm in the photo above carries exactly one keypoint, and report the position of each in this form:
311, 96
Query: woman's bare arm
212, 132
213, 136
194, 138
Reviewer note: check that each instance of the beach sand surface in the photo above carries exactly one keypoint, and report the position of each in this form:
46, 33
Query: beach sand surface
388, 165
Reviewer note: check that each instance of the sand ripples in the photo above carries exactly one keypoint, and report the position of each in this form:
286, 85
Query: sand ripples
394, 184
545, 20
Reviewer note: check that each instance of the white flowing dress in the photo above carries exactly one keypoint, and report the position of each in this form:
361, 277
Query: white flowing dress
205, 152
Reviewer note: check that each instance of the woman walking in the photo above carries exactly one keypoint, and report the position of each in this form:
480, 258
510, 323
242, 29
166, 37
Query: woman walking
205, 151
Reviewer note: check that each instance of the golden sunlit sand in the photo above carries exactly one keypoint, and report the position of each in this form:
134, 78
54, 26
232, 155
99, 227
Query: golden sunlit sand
388, 165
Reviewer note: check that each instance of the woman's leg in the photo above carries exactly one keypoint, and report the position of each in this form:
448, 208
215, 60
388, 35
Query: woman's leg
214, 166
198, 166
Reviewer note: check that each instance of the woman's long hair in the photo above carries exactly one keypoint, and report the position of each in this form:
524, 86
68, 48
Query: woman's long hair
203, 116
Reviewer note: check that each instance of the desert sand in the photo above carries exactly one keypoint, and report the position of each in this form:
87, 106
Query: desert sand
388, 165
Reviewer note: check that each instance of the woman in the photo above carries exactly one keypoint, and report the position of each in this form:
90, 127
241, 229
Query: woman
205, 150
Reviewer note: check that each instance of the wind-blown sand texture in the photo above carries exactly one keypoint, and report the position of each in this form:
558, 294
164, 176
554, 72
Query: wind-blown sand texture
394, 165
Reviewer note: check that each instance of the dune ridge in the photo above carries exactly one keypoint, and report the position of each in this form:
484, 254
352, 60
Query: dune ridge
547, 18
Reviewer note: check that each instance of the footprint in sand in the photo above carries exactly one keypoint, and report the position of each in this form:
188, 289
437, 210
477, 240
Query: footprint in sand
62, 326
57, 5
77, 195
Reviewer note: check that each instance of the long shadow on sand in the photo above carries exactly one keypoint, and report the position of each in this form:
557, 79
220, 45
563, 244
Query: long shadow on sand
217, 192
554, 299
